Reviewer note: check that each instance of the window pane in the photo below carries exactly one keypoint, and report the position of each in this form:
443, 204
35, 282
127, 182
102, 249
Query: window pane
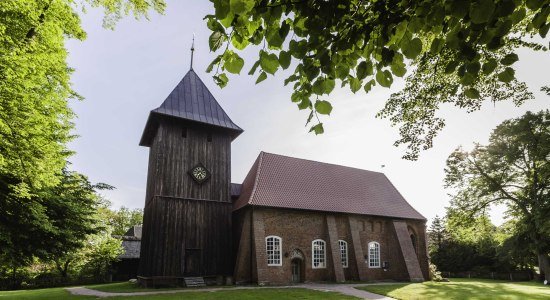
374, 255
343, 253
273, 249
318, 254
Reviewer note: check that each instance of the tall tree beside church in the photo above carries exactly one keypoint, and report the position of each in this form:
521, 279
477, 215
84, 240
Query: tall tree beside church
514, 170
35, 119
458, 52
37, 209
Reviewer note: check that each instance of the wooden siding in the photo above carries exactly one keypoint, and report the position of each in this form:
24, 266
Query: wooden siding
187, 225
171, 156
174, 227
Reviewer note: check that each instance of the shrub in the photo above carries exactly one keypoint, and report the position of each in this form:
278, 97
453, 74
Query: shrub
435, 275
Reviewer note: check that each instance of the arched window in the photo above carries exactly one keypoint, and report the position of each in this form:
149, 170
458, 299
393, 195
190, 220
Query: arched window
273, 245
374, 255
318, 254
413, 240
343, 252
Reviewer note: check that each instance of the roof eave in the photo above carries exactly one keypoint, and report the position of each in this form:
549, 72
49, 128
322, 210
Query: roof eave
146, 135
146, 139
236, 131
330, 211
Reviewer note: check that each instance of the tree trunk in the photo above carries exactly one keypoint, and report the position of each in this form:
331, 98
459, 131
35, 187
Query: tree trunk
66, 268
544, 265
63, 269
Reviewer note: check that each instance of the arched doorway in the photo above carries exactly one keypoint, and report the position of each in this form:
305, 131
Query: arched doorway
297, 266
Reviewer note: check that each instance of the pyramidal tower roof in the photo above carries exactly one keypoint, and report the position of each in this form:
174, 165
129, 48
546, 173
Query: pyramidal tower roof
192, 101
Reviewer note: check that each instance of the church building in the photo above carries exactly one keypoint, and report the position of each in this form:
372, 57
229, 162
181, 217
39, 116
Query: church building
291, 220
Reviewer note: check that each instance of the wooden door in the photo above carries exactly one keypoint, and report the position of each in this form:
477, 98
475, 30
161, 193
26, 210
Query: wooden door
193, 262
296, 266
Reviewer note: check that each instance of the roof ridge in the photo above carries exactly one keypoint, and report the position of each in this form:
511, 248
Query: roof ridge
325, 163
257, 177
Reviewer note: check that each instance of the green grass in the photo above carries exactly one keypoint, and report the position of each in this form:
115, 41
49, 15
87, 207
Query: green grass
128, 287
125, 287
260, 293
42, 294
462, 289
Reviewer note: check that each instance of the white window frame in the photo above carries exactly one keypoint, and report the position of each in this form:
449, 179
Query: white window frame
274, 255
321, 258
343, 245
374, 257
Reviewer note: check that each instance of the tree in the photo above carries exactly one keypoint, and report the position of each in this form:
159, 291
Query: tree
101, 251
457, 52
436, 234
35, 119
45, 210
464, 246
515, 248
124, 218
98, 250
50, 225
513, 170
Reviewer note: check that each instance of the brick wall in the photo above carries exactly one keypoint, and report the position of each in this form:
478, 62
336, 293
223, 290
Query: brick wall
299, 228
242, 233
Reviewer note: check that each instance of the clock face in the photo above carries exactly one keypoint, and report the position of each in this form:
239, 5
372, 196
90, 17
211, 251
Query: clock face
199, 173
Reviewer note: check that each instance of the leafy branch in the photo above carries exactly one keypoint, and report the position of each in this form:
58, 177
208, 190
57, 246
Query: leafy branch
465, 48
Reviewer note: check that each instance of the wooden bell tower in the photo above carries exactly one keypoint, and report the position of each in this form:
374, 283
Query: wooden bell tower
187, 215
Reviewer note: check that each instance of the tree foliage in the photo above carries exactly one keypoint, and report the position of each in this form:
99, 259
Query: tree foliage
49, 225
62, 232
457, 52
35, 119
477, 245
437, 234
513, 170
47, 212
515, 246
122, 219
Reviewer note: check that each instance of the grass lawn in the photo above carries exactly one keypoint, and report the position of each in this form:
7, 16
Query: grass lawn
463, 289
260, 293
125, 287
42, 294
128, 287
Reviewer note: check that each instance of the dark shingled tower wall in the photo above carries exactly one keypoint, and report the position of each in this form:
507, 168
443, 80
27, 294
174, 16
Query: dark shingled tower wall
187, 225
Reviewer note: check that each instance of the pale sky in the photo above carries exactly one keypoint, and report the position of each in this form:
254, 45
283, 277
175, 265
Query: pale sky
125, 73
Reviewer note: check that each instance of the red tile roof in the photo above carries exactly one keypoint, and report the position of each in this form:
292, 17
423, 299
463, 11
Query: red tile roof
288, 182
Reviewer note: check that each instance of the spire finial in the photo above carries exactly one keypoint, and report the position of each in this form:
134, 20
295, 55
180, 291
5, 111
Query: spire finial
192, 50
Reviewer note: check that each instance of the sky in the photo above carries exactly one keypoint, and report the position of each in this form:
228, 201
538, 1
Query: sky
126, 72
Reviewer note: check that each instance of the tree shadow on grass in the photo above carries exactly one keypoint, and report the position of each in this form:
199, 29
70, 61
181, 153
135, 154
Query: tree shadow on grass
463, 289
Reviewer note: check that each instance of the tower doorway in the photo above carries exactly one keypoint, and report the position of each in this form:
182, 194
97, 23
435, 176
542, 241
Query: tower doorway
192, 262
